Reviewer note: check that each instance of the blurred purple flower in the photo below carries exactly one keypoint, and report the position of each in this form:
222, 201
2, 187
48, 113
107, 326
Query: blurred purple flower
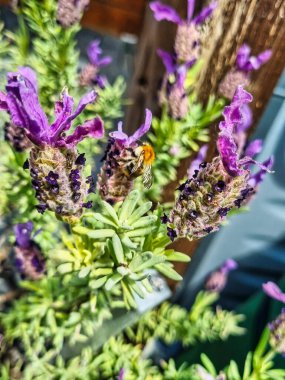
23, 232
257, 178
22, 102
246, 62
217, 280
273, 291
28, 257
69, 12
121, 374
165, 12
90, 73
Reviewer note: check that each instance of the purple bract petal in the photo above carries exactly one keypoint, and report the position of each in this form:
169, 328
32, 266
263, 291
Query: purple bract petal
205, 13
66, 123
257, 178
23, 233
254, 148
164, 12
168, 61
29, 75
143, 129
92, 128
229, 265
63, 109
273, 291
229, 153
201, 156
246, 119
190, 10
94, 51
248, 63
3, 102
121, 374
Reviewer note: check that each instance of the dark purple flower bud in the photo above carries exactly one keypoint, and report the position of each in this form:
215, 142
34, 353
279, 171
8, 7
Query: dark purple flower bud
277, 333
87, 204
171, 233
26, 165
80, 160
219, 186
273, 291
193, 214
52, 178
23, 232
41, 208
164, 219
223, 211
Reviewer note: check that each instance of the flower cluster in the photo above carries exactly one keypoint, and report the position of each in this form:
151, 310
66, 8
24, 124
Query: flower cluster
125, 159
276, 327
90, 73
187, 51
69, 12
56, 168
240, 74
217, 187
16, 137
28, 257
217, 280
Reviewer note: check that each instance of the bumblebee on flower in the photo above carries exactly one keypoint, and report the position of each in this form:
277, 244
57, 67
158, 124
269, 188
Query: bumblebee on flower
125, 159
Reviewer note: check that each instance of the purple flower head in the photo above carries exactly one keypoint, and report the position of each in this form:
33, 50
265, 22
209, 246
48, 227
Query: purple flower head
228, 266
121, 374
246, 119
22, 102
253, 148
273, 291
227, 147
195, 165
129, 140
246, 62
165, 12
94, 52
23, 232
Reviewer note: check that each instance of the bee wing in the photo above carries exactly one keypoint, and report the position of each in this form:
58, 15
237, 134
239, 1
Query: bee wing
147, 177
138, 164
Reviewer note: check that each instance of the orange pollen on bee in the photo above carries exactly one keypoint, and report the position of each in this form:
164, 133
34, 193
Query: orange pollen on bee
149, 154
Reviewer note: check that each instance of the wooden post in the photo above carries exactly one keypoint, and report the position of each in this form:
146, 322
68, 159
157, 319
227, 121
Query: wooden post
260, 24
149, 69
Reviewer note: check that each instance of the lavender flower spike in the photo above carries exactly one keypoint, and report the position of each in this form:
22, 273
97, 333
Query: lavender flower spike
69, 12
55, 165
125, 159
90, 73
273, 291
188, 34
217, 187
217, 280
240, 74
29, 259
121, 374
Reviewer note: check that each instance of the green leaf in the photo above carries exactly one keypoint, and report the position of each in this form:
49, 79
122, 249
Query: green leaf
128, 205
140, 211
208, 364
172, 255
139, 232
110, 210
101, 234
247, 366
150, 263
95, 284
65, 268
167, 271
145, 221
112, 281
104, 219
84, 272
118, 249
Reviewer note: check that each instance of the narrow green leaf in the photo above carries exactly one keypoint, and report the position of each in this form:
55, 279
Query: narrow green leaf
84, 272
101, 234
112, 281
151, 263
172, 255
118, 249
128, 205
139, 232
111, 211
208, 364
96, 284
145, 221
65, 268
167, 271
104, 219
140, 211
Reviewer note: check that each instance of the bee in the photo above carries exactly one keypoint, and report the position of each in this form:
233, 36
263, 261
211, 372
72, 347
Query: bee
141, 163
